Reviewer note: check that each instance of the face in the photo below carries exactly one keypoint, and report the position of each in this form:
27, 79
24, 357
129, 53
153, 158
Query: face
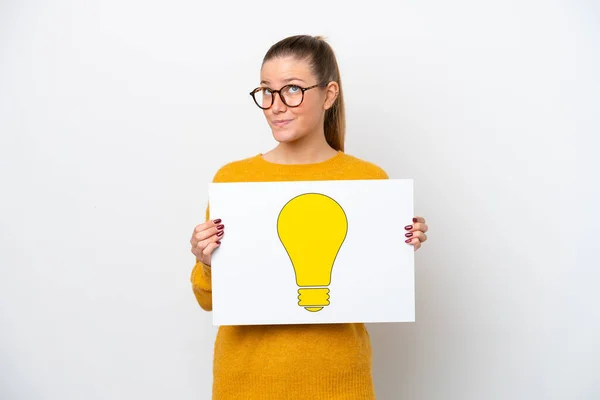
290, 124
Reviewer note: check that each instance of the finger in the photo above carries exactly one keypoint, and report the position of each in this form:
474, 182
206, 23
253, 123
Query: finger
412, 241
416, 227
419, 224
203, 244
417, 234
209, 232
211, 223
420, 235
417, 246
210, 248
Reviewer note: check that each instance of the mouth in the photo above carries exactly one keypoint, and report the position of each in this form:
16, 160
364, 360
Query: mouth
281, 122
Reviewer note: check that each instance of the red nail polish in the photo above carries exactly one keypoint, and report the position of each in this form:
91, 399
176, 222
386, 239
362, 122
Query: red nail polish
415, 220
407, 227
409, 234
219, 227
408, 240
219, 234
218, 242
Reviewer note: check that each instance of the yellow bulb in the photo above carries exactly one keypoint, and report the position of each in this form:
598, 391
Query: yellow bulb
312, 227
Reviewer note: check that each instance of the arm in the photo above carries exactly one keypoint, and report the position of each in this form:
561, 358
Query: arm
201, 281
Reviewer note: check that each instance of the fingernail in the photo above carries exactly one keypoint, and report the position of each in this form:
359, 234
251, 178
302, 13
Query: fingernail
415, 220
217, 221
218, 242
408, 240
220, 233
409, 234
219, 227
407, 227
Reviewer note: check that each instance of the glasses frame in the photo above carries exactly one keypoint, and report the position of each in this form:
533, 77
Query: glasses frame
322, 84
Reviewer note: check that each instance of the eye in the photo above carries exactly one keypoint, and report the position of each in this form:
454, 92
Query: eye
293, 89
266, 91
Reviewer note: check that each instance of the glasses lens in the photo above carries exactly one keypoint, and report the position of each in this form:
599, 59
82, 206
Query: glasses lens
263, 98
292, 95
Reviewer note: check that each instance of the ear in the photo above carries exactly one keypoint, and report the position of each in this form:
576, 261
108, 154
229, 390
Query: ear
331, 94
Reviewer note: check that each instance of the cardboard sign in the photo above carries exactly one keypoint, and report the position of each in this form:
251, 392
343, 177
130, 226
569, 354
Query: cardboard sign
313, 252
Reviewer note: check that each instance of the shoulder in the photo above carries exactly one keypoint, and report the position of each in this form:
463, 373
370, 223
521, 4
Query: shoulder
369, 169
235, 170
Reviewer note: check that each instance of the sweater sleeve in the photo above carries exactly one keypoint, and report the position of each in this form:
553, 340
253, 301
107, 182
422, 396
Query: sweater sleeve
201, 281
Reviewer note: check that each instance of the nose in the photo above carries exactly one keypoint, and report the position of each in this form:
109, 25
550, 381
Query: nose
278, 105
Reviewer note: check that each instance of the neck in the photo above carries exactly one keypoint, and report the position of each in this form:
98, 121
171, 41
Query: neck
307, 150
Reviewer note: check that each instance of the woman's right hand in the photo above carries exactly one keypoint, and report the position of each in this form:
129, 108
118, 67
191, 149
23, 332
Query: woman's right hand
206, 238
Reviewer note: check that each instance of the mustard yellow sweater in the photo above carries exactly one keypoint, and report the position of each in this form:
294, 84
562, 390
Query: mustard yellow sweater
296, 362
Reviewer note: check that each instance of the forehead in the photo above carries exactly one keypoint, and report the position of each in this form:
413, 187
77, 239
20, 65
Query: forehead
282, 69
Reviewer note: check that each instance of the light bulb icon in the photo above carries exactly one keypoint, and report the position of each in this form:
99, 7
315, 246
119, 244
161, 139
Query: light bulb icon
312, 228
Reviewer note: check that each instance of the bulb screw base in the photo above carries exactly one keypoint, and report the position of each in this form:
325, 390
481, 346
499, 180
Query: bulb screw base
313, 299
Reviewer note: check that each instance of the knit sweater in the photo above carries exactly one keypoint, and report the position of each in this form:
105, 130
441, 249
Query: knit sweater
279, 362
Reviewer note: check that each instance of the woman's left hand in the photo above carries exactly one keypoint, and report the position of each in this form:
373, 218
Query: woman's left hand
416, 232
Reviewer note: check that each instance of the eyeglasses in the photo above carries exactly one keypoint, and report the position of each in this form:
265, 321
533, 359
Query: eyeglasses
290, 95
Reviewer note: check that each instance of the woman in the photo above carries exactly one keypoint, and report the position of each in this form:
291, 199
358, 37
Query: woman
300, 94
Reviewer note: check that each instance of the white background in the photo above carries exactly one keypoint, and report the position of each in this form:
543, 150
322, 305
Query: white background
114, 116
372, 279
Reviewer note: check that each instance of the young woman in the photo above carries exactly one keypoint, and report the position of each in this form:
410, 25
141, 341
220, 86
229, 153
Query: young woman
300, 94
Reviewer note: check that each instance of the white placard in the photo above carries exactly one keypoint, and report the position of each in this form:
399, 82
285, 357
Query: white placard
307, 252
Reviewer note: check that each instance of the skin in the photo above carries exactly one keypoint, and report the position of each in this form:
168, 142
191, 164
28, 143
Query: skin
301, 140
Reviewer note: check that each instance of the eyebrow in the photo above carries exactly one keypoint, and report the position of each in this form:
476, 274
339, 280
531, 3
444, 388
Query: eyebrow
285, 80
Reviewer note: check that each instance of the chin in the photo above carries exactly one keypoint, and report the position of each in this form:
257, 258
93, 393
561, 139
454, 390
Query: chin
283, 136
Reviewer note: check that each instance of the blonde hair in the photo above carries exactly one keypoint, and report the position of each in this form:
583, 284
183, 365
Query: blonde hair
324, 66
